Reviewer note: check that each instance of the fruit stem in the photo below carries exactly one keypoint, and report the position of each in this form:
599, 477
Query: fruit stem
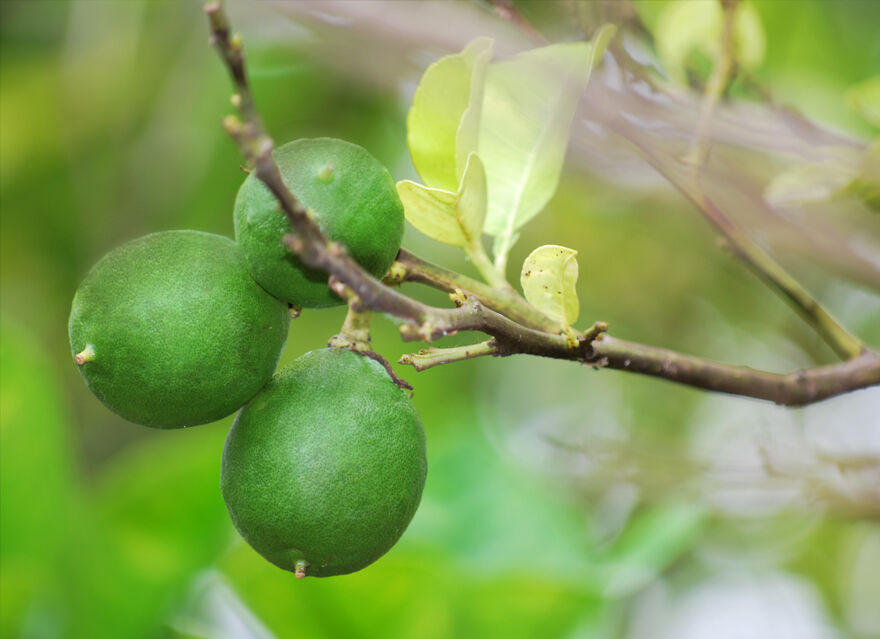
355, 331
300, 569
85, 355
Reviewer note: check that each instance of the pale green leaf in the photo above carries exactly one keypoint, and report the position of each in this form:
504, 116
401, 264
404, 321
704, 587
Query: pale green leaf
467, 137
683, 28
864, 97
749, 38
817, 181
686, 27
451, 218
549, 275
444, 107
472, 198
431, 211
528, 108
866, 186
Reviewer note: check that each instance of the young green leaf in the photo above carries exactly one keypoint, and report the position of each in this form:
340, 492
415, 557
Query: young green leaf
445, 114
451, 218
528, 108
864, 98
685, 28
813, 182
549, 275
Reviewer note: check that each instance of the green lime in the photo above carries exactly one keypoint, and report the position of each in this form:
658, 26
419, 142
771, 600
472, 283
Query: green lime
169, 330
324, 468
354, 201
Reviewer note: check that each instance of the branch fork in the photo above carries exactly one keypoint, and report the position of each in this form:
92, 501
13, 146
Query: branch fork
515, 326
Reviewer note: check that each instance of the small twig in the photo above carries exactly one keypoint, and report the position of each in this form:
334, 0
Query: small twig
355, 331
507, 10
761, 264
430, 357
493, 275
715, 87
410, 268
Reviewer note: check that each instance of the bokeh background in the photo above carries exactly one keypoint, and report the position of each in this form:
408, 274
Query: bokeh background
560, 501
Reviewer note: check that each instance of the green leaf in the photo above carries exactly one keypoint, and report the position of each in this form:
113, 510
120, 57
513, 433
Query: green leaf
528, 108
866, 186
685, 28
451, 218
445, 114
655, 538
815, 181
548, 279
864, 98
750, 41
38, 482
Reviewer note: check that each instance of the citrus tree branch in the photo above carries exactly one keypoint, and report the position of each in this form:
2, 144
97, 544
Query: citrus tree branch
798, 388
760, 263
765, 267
514, 326
793, 389
431, 357
410, 268
722, 71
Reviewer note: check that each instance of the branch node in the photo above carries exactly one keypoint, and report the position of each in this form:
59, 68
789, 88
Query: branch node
458, 297
293, 242
396, 274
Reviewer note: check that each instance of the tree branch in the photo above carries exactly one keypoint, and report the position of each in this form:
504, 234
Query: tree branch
431, 357
794, 389
410, 268
514, 325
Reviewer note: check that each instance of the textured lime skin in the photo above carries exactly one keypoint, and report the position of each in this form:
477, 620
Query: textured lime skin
182, 334
354, 201
326, 464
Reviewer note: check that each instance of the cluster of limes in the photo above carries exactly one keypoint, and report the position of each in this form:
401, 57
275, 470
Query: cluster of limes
324, 465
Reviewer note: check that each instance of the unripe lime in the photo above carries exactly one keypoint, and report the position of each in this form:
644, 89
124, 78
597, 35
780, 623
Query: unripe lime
354, 201
323, 469
170, 330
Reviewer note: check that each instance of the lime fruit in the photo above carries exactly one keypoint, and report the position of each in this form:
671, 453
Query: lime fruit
170, 330
354, 201
324, 468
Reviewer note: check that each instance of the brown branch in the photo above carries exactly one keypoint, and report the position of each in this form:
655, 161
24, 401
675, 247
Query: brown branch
410, 268
760, 263
501, 314
794, 389
597, 349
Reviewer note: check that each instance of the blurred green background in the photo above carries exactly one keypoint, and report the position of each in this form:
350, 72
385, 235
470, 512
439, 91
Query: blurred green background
560, 501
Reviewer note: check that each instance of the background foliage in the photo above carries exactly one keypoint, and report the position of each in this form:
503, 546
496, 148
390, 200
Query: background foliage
560, 502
